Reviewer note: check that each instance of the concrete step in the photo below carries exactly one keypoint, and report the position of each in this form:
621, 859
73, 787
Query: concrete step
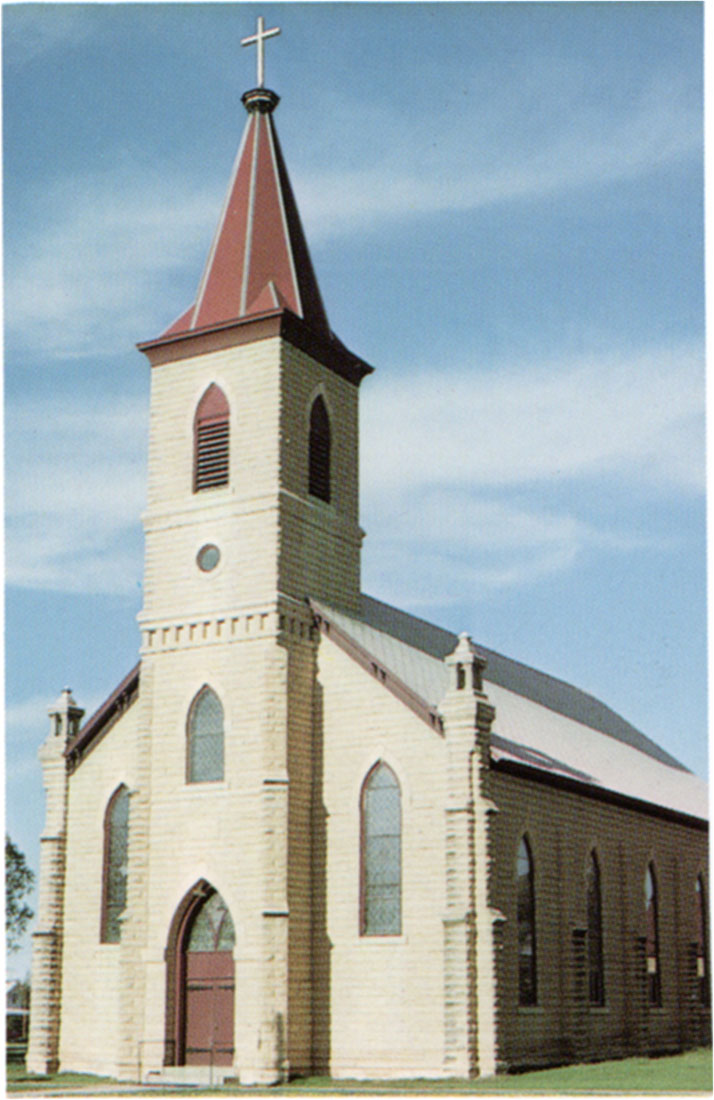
190, 1075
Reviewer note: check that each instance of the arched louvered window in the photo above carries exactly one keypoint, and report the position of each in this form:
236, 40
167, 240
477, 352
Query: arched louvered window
654, 978
381, 813
319, 451
525, 885
116, 851
211, 440
596, 967
702, 943
205, 738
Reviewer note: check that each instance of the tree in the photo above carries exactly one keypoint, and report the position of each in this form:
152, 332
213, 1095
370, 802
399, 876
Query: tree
18, 882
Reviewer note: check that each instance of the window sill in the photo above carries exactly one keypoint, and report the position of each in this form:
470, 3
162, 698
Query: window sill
201, 785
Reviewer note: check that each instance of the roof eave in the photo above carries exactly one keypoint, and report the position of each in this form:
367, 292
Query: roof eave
366, 660
591, 790
331, 352
115, 704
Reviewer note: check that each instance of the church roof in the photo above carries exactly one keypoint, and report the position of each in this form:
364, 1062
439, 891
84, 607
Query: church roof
543, 725
258, 261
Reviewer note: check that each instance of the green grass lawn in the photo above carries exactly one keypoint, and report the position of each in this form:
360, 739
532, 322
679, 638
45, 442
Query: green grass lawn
679, 1073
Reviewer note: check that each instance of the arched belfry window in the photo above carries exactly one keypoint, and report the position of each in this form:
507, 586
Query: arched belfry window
211, 440
381, 814
525, 907
116, 851
654, 979
319, 451
702, 943
205, 738
596, 967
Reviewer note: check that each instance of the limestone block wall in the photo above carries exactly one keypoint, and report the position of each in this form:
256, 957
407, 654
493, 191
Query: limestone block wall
378, 1000
241, 515
563, 828
237, 833
90, 1031
320, 541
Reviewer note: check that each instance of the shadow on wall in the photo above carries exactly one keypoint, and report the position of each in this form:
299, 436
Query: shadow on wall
321, 946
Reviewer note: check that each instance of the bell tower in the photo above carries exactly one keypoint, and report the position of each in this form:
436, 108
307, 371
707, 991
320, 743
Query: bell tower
268, 474
252, 508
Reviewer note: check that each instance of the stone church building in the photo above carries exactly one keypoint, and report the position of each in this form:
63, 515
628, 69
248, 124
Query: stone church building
308, 832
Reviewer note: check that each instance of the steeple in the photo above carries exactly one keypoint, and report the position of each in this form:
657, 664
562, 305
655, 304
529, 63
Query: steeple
259, 261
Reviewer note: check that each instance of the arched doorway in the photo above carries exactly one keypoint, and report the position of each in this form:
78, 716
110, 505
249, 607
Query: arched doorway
201, 984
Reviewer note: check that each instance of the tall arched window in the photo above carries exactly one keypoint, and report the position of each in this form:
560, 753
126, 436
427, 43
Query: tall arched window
116, 851
596, 968
527, 974
381, 813
319, 451
702, 943
654, 979
205, 738
211, 439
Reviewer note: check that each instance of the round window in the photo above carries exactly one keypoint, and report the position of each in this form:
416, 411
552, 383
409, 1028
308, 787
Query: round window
208, 557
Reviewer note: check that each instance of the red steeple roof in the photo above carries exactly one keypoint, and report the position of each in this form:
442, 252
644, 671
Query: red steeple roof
258, 261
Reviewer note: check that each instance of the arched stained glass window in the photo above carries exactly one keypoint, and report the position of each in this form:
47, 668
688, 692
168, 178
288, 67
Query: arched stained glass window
702, 943
205, 738
525, 884
319, 451
654, 979
211, 440
596, 968
212, 928
116, 864
381, 853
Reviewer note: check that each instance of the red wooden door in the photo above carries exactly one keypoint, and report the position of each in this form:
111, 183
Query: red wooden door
210, 989
209, 985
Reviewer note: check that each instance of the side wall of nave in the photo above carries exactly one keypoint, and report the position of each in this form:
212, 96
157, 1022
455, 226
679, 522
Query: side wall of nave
563, 828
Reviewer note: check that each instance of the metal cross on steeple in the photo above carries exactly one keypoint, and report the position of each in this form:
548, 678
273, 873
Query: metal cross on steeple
258, 39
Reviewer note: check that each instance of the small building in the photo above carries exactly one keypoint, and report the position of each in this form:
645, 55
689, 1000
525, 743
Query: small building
17, 1015
309, 832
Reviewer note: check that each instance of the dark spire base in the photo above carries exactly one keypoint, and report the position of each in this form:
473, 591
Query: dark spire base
260, 99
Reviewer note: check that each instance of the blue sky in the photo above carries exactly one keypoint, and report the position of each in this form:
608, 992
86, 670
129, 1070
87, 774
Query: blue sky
504, 207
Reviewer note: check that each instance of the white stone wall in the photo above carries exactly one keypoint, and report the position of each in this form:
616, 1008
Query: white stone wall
89, 1035
385, 1001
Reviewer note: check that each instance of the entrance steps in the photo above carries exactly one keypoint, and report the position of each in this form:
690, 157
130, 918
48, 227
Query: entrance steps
189, 1075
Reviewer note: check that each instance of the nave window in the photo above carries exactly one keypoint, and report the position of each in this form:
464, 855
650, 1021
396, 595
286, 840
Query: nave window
205, 738
381, 820
525, 889
116, 852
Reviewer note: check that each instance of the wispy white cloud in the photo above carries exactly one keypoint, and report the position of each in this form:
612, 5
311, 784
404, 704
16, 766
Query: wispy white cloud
637, 417
464, 170
92, 277
107, 249
460, 544
75, 491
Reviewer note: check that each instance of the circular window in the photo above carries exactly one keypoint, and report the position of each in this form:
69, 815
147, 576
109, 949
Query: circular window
208, 557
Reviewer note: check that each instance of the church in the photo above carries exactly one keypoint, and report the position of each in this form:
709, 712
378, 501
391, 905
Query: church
309, 833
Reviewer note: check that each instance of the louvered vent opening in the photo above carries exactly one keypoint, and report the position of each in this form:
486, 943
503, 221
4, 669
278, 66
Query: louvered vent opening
211, 454
319, 448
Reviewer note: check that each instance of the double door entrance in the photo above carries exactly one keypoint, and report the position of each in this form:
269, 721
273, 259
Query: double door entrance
208, 985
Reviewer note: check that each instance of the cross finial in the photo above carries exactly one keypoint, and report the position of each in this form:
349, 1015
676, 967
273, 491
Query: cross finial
258, 39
